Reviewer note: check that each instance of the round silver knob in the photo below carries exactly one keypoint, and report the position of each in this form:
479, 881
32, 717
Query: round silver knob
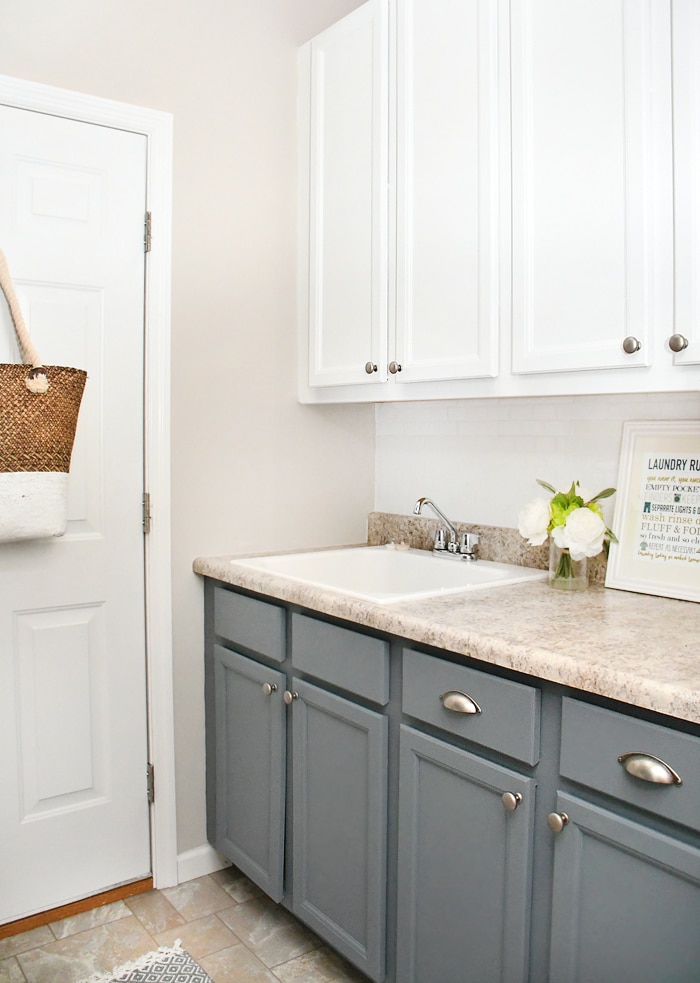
631, 345
370, 367
677, 342
511, 800
557, 821
269, 688
394, 367
288, 697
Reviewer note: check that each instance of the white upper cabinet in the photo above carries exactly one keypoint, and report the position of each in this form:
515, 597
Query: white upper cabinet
584, 219
343, 193
447, 186
501, 198
686, 127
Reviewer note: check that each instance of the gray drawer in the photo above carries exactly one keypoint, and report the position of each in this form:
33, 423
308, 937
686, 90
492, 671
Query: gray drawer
348, 659
592, 741
510, 712
252, 624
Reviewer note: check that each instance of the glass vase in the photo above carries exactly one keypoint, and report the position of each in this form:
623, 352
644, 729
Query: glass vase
566, 573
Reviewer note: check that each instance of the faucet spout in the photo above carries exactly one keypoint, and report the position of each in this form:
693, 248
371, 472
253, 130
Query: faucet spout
418, 508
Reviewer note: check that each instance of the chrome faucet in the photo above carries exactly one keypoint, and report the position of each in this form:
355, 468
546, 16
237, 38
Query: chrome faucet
465, 549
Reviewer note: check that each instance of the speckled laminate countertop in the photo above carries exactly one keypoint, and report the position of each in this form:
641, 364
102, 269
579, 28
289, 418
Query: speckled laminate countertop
635, 648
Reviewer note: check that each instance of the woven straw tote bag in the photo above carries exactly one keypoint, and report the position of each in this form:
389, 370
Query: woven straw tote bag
39, 407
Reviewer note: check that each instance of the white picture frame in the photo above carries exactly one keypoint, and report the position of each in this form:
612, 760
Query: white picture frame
657, 510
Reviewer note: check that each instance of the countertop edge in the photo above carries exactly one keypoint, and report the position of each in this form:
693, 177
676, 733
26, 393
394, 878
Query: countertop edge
429, 624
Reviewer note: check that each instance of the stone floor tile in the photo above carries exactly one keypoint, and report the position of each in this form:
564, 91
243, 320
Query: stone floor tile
10, 971
155, 912
270, 931
201, 896
25, 941
89, 919
78, 957
319, 966
200, 937
236, 965
236, 884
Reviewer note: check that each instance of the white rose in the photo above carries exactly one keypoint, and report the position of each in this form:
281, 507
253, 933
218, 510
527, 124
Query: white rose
561, 537
533, 520
585, 532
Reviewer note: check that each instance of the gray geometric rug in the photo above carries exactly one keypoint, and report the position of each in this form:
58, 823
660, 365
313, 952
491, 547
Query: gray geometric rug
164, 966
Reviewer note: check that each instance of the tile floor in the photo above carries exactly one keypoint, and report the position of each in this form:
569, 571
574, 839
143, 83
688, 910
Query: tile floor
233, 931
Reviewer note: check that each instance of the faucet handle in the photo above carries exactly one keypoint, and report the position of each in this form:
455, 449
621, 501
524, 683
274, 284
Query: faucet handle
440, 539
468, 542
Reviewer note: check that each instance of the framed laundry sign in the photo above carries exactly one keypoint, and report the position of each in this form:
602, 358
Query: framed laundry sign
657, 512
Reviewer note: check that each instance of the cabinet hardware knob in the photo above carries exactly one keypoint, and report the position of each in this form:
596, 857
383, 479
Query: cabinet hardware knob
511, 800
631, 345
288, 697
269, 688
649, 768
677, 342
370, 367
459, 702
557, 821
394, 367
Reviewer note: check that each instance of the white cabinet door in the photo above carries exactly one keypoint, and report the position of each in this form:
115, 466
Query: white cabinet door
447, 190
686, 137
345, 72
583, 157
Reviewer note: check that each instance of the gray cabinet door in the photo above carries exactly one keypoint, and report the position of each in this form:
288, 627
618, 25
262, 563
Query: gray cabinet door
250, 768
625, 902
339, 824
465, 862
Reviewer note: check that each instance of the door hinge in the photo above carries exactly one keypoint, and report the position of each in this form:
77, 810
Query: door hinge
147, 233
146, 509
150, 783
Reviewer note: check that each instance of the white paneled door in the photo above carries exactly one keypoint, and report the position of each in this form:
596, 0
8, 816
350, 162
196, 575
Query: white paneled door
74, 814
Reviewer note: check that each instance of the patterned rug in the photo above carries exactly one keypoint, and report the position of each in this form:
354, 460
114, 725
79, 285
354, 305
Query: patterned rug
164, 966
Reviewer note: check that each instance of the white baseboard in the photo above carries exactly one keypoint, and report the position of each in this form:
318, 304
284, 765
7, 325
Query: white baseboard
198, 862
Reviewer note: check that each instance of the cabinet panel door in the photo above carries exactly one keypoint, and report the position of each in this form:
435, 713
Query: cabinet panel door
686, 139
250, 768
583, 182
339, 822
616, 884
347, 79
447, 190
464, 866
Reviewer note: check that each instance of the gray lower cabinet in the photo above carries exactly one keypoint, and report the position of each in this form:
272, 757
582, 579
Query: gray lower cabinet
397, 801
250, 763
465, 866
625, 901
626, 883
339, 820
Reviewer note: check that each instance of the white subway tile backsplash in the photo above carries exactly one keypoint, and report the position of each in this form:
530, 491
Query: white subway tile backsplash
479, 459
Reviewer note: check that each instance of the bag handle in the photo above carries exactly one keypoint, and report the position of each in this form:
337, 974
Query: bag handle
36, 381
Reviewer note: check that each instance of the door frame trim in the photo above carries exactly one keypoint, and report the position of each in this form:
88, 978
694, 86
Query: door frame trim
157, 127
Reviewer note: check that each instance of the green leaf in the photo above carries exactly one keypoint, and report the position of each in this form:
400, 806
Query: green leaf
606, 493
611, 536
547, 486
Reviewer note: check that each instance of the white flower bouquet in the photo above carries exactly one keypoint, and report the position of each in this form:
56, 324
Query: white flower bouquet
577, 528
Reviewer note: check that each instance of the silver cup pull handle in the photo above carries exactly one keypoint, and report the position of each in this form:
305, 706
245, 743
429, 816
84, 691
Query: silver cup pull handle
649, 768
459, 702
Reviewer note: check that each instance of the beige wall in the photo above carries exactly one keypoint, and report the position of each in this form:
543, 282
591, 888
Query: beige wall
251, 468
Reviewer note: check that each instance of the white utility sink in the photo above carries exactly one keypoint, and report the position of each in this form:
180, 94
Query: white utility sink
382, 574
